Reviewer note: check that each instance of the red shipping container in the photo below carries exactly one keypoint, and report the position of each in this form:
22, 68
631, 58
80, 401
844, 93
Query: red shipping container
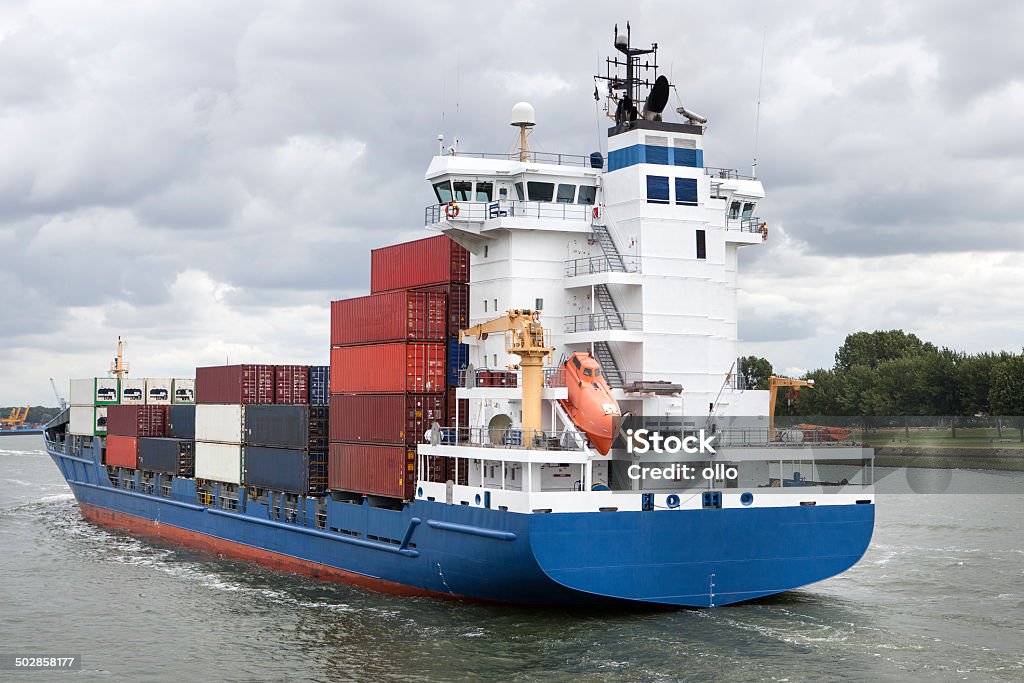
462, 406
137, 420
291, 384
122, 451
457, 305
394, 316
373, 470
235, 384
431, 261
396, 419
388, 369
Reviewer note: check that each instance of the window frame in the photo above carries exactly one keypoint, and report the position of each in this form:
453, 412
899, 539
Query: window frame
657, 200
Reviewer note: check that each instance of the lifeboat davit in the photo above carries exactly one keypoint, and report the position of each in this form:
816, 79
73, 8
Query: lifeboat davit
590, 404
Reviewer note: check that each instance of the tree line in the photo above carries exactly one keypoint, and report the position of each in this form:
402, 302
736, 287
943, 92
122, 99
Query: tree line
893, 372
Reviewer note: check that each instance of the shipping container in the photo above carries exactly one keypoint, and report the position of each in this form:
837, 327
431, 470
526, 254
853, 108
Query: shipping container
456, 305
431, 261
122, 451
319, 385
496, 378
158, 391
394, 316
218, 462
458, 360
84, 421
457, 410
181, 422
135, 420
95, 391
235, 384
291, 384
133, 391
100, 420
374, 470
170, 456
388, 368
285, 469
220, 423
285, 426
387, 419
184, 391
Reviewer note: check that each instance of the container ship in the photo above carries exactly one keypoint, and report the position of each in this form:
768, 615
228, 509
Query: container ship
475, 432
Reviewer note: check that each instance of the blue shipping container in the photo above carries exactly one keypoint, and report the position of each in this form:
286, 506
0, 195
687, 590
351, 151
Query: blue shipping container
458, 359
319, 385
284, 469
181, 422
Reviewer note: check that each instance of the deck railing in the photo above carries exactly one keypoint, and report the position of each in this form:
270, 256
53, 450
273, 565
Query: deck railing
505, 208
600, 264
594, 322
532, 157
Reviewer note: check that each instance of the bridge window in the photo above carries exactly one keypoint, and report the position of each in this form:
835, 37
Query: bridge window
748, 210
519, 191
566, 193
463, 190
702, 248
734, 210
443, 191
540, 192
686, 191
656, 150
657, 189
587, 195
484, 192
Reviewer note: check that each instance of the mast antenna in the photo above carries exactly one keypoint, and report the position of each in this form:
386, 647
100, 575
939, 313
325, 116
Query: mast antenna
757, 116
118, 366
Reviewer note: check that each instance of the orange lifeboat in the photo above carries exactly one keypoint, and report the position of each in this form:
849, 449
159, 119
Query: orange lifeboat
590, 404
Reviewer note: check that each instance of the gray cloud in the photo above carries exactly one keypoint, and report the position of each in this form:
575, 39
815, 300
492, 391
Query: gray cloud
203, 180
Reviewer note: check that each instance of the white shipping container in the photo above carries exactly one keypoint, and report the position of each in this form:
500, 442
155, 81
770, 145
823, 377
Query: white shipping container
133, 391
158, 391
83, 392
221, 423
82, 420
100, 423
219, 462
107, 390
184, 391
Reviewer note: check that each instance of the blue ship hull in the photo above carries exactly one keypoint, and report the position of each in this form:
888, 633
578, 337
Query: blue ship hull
695, 558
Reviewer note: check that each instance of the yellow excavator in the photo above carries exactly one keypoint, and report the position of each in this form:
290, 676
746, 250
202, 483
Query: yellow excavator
16, 420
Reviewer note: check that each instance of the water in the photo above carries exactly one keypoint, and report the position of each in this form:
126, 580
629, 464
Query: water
939, 596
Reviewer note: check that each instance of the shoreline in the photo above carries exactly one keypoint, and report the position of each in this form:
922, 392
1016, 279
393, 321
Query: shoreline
975, 458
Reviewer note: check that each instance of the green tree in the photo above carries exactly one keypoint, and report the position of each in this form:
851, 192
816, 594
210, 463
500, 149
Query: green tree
974, 378
757, 371
1006, 397
871, 348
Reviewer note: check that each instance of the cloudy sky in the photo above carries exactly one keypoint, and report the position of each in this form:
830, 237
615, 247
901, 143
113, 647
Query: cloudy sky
202, 178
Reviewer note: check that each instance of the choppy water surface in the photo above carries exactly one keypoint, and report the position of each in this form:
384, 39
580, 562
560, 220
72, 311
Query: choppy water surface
939, 596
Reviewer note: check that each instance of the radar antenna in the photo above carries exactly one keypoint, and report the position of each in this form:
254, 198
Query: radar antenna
640, 77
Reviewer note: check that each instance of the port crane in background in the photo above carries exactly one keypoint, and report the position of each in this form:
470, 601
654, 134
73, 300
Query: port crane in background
774, 384
16, 420
60, 401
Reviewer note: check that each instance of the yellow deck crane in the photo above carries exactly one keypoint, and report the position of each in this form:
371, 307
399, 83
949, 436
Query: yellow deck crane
16, 420
524, 337
774, 383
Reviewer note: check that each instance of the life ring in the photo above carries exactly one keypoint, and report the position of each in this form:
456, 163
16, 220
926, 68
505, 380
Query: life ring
451, 210
764, 231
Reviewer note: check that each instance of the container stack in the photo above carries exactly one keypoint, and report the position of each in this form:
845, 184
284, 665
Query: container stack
90, 399
390, 366
127, 427
253, 426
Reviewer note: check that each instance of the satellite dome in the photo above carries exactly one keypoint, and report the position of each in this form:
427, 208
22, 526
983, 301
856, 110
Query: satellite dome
523, 115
